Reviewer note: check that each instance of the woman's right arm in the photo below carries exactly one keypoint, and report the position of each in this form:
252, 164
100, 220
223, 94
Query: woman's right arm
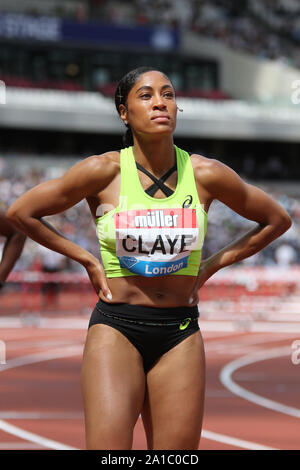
12, 248
84, 179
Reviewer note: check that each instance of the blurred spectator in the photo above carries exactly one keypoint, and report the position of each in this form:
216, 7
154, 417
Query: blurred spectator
285, 255
51, 262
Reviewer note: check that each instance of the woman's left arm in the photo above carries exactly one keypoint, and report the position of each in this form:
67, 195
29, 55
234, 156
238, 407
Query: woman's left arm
225, 185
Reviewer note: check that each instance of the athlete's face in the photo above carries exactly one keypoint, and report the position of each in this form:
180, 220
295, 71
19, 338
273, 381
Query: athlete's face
151, 106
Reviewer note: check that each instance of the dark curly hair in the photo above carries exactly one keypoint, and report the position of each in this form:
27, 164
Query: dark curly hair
123, 88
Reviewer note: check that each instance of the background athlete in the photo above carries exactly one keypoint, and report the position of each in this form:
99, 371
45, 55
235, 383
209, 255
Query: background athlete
116, 389
12, 248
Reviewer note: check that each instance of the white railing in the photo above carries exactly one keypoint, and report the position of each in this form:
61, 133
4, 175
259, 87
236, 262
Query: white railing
92, 112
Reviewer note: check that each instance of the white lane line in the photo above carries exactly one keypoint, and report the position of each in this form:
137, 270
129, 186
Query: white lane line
31, 359
228, 382
233, 441
244, 345
68, 351
254, 327
45, 323
31, 343
29, 436
19, 446
37, 415
252, 340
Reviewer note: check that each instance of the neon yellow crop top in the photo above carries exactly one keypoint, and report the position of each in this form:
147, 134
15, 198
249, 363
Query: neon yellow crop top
146, 236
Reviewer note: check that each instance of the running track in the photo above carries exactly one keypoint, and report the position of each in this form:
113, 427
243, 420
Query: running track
252, 385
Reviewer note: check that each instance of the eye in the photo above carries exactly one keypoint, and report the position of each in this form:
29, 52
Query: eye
169, 94
145, 96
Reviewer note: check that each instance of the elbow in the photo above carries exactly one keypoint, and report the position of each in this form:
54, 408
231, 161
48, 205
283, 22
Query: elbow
10, 214
14, 217
284, 223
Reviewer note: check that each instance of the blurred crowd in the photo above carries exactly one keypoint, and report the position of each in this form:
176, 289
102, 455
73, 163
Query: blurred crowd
76, 223
266, 28
224, 226
237, 24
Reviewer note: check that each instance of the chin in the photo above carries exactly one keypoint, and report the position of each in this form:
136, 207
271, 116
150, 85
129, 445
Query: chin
163, 129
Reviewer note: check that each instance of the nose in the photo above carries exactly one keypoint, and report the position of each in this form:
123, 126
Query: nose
158, 102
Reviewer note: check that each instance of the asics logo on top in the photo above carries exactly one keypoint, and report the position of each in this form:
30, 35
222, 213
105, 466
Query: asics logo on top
188, 201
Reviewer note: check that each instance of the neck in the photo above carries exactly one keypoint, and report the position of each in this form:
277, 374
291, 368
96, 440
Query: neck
156, 156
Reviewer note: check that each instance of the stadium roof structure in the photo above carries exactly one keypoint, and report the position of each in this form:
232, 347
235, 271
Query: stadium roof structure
91, 112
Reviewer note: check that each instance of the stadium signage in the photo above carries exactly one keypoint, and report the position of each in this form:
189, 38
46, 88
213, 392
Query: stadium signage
17, 26
20, 27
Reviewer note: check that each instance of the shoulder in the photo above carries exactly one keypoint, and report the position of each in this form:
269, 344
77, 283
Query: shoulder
213, 174
97, 169
208, 167
86, 177
108, 162
201, 163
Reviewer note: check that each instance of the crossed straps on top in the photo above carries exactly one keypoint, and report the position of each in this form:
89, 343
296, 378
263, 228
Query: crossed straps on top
158, 184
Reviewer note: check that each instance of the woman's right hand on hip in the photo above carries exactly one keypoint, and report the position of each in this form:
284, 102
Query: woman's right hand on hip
98, 279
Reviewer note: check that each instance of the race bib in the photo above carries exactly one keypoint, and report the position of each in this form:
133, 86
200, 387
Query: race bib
156, 242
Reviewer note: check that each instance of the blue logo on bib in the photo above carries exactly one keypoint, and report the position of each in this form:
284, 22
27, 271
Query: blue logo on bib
128, 261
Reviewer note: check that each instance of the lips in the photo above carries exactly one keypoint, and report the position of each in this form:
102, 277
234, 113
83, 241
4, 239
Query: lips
161, 117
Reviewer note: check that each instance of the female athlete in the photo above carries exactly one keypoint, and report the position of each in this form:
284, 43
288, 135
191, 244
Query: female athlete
144, 352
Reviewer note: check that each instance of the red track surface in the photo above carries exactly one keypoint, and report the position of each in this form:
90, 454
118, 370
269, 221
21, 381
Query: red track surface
40, 387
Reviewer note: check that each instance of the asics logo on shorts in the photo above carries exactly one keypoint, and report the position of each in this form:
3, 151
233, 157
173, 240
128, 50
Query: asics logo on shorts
185, 324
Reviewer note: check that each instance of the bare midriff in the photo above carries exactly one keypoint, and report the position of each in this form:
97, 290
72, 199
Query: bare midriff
164, 291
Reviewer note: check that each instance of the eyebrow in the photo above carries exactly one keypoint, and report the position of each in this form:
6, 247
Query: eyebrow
147, 87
